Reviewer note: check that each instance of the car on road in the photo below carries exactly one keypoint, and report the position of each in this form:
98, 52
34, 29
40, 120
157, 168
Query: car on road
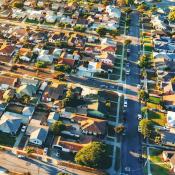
21, 156
139, 117
45, 151
3, 170
58, 154
139, 128
127, 65
127, 71
23, 129
125, 103
138, 86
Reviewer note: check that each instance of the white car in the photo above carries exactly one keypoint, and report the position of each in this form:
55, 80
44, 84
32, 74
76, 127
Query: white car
23, 129
138, 86
127, 64
139, 129
58, 154
45, 151
21, 156
127, 71
125, 104
139, 116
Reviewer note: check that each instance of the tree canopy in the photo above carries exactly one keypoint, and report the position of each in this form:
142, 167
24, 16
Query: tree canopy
94, 155
146, 127
143, 95
101, 30
57, 127
171, 15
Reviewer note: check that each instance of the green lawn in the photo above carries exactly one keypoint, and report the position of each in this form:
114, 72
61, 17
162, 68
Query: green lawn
7, 139
158, 167
157, 117
155, 100
148, 48
32, 21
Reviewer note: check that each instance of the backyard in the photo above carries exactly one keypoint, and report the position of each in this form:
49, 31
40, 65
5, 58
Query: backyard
7, 139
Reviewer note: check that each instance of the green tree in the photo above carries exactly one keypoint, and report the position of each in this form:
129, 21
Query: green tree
101, 30
94, 155
57, 127
129, 2
143, 95
173, 80
119, 129
146, 127
18, 5
40, 64
25, 99
62, 173
171, 15
63, 68
121, 2
157, 140
79, 28
144, 61
127, 42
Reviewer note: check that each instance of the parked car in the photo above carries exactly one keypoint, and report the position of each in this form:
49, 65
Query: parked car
127, 65
139, 128
127, 71
139, 117
125, 103
138, 86
3, 170
21, 156
45, 151
23, 129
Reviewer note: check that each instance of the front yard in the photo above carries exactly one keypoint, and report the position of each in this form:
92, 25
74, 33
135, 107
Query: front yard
158, 166
7, 139
157, 117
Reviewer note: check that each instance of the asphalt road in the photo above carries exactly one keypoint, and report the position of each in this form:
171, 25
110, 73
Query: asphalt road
131, 142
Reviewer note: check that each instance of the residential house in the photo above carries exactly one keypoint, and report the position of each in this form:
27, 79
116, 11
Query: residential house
169, 101
10, 124
7, 82
170, 156
89, 125
52, 118
69, 59
45, 57
168, 138
171, 118
28, 111
55, 91
104, 97
169, 88
7, 50
37, 132
158, 23
9, 94
113, 11
28, 90
89, 71
24, 119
